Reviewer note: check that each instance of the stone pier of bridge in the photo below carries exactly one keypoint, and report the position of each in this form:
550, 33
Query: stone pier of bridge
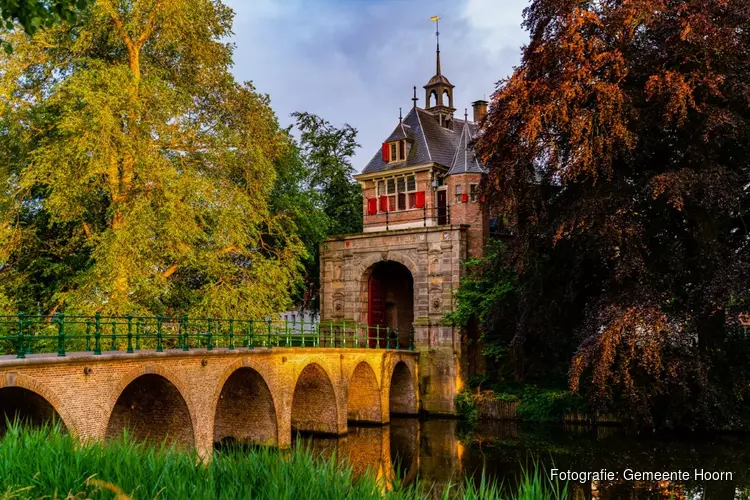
198, 398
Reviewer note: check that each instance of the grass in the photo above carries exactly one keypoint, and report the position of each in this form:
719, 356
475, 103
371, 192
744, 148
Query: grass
46, 463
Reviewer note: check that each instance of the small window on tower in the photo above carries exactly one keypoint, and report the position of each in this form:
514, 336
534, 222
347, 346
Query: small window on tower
473, 193
381, 188
458, 193
394, 151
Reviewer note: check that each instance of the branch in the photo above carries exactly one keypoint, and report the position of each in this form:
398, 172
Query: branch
149, 27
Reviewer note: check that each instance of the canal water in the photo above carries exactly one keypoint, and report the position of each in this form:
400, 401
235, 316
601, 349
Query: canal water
444, 451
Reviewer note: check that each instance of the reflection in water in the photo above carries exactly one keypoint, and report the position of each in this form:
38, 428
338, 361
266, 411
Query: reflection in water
442, 451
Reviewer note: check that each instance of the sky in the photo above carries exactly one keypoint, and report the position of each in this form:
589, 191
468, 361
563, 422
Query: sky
356, 61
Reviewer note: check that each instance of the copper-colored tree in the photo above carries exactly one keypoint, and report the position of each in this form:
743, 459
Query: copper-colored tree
621, 149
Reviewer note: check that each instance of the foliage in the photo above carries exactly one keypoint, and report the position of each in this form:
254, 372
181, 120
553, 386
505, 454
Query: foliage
300, 203
46, 462
137, 171
329, 201
466, 405
328, 150
619, 148
35, 14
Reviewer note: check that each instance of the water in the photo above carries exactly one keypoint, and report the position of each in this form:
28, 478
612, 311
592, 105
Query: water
443, 451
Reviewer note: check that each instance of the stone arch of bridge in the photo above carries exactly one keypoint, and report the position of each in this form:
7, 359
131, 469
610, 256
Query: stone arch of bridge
315, 405
151, 398
402, 391
364, 399
36, 389
244, 407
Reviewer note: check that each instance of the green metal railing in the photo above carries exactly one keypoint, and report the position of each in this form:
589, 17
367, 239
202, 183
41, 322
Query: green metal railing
30, 334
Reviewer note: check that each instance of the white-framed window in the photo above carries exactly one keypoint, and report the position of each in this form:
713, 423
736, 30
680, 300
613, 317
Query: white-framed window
400, 192
473, 193
459, 192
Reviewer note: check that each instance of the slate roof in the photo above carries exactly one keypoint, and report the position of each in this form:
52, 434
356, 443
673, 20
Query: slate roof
431, 143
465, 161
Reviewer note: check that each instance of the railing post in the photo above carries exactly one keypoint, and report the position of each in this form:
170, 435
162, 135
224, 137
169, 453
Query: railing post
159, 347
60, 335
250, 342
269, 333
411, 338
138, 331
21, 348
88, 336
231, 334
286, 331
186, 338
343, 334
377, 336
130, 334
113, 344
97, 334
209, 345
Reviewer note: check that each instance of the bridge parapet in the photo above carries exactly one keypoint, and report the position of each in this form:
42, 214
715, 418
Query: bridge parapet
27, 334
199, 397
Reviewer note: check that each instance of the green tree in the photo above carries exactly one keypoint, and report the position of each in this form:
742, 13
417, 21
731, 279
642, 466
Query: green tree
35, 14
328, 151
137, 172
620, 148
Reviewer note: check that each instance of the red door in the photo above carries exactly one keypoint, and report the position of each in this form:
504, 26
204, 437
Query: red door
376, 309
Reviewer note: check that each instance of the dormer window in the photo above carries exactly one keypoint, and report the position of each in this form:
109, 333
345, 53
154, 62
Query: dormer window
395, 151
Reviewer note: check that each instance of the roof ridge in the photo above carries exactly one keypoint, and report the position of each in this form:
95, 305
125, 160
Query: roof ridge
426, 142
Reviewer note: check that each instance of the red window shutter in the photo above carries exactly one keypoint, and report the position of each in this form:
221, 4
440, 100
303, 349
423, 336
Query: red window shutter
383, 203
464, 198
386, 152
372, 206
402, 147
419, 199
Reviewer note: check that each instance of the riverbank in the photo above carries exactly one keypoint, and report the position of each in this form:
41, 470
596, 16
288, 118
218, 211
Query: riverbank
45, 462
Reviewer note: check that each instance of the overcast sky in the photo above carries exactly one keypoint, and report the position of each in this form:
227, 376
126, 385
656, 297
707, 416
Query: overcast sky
356, 61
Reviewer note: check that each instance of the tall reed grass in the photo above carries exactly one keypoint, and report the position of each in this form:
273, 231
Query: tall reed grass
47, 463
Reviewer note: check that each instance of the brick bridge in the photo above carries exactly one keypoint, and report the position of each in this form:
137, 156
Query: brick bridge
201, 397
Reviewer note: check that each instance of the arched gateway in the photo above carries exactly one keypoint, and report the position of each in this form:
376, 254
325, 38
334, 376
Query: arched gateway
388, 291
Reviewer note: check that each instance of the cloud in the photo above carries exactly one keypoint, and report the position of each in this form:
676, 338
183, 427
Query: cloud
355, 61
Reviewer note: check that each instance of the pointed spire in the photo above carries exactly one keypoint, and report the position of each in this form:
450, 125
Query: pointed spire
415, 96
437, 36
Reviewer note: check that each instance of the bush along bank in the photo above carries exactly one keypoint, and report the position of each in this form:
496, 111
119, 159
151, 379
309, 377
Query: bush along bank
527, 403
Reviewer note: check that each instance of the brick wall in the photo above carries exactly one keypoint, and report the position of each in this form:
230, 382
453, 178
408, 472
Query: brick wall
245, 411
152, 409
402, 400
364, 396
314, 403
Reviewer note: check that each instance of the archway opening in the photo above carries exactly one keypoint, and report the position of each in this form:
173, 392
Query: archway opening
27, 408
364, 396
447, 99
403, 397
390, 304
245, 412
152, 409
314, 403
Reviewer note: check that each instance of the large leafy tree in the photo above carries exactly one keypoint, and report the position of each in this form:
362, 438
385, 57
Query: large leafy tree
136, 172
621, 148
320, 193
